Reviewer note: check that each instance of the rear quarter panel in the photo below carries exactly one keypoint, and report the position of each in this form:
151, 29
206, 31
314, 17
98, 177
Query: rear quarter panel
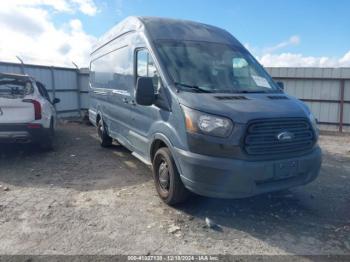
48, 112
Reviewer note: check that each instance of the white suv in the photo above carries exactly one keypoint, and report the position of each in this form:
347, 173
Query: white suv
27, 115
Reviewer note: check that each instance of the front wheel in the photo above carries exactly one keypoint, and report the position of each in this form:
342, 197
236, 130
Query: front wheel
167, 179
105, 139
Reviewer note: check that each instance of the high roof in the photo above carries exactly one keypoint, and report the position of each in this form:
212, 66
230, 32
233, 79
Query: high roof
166, 28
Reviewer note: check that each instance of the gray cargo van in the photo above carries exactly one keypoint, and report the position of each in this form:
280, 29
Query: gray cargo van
190, 100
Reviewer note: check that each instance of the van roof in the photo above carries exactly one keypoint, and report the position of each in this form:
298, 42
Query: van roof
166, 28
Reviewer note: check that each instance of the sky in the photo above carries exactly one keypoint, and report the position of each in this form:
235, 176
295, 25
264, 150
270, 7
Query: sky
277, 32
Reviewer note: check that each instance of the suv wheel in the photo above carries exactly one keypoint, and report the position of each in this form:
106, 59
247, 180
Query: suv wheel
47, 143
167, 179
105, 139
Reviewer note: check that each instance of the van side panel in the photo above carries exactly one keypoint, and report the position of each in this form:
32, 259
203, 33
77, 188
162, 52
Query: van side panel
150, 120
132, 125
112, 84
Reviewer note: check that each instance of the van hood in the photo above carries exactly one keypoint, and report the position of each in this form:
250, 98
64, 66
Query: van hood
242, 108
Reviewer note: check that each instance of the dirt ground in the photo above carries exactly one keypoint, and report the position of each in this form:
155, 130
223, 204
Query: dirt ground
82, 199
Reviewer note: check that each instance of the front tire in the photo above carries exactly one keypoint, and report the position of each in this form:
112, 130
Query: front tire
105, 139
167, 178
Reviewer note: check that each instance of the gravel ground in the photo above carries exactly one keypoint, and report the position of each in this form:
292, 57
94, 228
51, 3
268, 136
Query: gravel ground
82, 199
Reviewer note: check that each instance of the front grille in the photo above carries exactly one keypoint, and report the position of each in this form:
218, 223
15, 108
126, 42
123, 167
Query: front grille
261, 137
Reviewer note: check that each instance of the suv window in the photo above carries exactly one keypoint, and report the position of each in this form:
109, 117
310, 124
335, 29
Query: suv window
145, 67
42, 90
14, 88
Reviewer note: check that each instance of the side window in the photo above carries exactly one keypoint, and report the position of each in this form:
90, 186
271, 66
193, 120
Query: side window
43, 91
145, 67
113, 70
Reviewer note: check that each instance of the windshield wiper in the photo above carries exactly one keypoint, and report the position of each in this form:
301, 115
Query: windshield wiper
193, 87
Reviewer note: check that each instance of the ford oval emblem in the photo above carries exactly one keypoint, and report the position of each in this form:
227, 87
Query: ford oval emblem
285, 136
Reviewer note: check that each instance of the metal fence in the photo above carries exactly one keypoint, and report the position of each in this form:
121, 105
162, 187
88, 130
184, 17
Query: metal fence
325, 90
68, 84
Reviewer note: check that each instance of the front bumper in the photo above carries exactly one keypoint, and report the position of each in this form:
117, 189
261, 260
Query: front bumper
22, 133
232, 178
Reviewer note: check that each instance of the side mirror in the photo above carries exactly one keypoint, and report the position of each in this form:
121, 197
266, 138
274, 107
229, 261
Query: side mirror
280, 85
56, 101
145, 91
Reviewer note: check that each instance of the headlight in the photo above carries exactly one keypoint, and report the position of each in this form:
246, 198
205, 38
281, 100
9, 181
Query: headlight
198, 122
314, 123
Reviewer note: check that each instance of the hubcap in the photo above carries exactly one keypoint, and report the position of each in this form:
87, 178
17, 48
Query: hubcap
163, 174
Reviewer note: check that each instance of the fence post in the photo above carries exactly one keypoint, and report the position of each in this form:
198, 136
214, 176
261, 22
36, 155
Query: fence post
341, 113
79, 90
22, 65
53, 84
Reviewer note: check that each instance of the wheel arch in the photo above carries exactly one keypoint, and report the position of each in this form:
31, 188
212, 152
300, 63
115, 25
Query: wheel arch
52, 122
99, 114
159, 141
98, 118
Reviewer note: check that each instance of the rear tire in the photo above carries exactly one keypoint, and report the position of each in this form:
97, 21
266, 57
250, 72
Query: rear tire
48, 143
105, 139
167, 178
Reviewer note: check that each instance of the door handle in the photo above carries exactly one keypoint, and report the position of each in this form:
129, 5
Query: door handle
125, 100
132, 102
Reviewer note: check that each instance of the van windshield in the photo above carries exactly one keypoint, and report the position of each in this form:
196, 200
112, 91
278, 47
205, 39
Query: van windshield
213, 67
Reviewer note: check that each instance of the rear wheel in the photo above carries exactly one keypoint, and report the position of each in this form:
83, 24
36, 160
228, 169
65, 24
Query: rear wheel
105, 139
47, 143
167, 179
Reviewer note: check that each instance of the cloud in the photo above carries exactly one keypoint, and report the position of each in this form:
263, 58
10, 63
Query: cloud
29, 21
299, 60
31, 34
292, 41
119, 9
345, 59
87, 7
275, 57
